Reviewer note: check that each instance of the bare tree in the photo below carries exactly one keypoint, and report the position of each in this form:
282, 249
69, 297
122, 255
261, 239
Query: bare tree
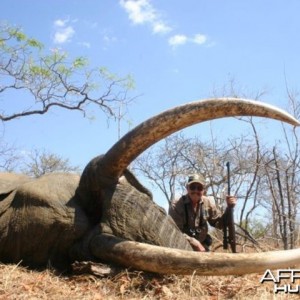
9, 158
246, 153
163, 166
282, 179
168, 165
41, 162
283, 184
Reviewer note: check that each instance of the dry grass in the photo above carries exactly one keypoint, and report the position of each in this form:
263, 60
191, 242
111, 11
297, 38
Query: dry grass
17, 282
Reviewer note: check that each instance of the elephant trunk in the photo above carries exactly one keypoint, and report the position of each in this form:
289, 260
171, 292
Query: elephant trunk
133, 215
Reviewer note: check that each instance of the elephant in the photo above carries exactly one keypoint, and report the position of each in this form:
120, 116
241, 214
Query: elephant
107, 215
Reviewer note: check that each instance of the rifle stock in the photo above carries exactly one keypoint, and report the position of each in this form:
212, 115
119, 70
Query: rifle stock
231, 230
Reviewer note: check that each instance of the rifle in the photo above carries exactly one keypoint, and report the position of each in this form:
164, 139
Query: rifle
229, 228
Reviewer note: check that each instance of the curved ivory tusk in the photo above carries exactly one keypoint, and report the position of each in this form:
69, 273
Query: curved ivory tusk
173, 261
158, 127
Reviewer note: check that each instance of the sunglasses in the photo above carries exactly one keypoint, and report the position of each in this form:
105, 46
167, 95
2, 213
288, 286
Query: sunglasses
194, 187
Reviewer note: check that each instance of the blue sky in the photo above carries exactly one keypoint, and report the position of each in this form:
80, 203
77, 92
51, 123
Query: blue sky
177, 52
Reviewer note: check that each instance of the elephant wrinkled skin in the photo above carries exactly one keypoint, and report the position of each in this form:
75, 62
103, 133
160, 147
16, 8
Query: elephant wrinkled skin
107, 215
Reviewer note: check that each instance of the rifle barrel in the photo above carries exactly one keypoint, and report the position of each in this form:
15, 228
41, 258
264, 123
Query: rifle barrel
228, 177
229, 220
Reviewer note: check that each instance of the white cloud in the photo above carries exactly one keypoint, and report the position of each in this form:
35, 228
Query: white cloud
178, 39
141, 12
63, 32
160, 27
181, 39
199, 39
60, 23
64, 35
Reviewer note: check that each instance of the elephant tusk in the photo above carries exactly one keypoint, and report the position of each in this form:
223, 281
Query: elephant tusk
116, 160
173, 261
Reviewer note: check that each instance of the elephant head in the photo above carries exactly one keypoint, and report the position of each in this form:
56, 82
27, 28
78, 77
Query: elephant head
107, 215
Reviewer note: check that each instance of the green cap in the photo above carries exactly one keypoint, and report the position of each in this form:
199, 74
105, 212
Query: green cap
196, 178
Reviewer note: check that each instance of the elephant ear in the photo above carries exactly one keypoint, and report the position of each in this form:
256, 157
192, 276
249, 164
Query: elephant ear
11, 181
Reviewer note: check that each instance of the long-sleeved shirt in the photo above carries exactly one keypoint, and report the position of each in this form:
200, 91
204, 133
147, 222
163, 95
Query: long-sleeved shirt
194, 223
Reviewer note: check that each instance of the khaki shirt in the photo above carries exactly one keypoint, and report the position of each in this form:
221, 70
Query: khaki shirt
181, 210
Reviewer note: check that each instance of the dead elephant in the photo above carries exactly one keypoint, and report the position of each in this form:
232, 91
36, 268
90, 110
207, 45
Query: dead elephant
107, 215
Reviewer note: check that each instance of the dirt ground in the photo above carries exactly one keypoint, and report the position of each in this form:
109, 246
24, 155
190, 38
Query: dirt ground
17, 282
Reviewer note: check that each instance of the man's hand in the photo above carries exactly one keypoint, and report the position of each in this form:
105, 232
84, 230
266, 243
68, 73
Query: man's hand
231, 201
197, 246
